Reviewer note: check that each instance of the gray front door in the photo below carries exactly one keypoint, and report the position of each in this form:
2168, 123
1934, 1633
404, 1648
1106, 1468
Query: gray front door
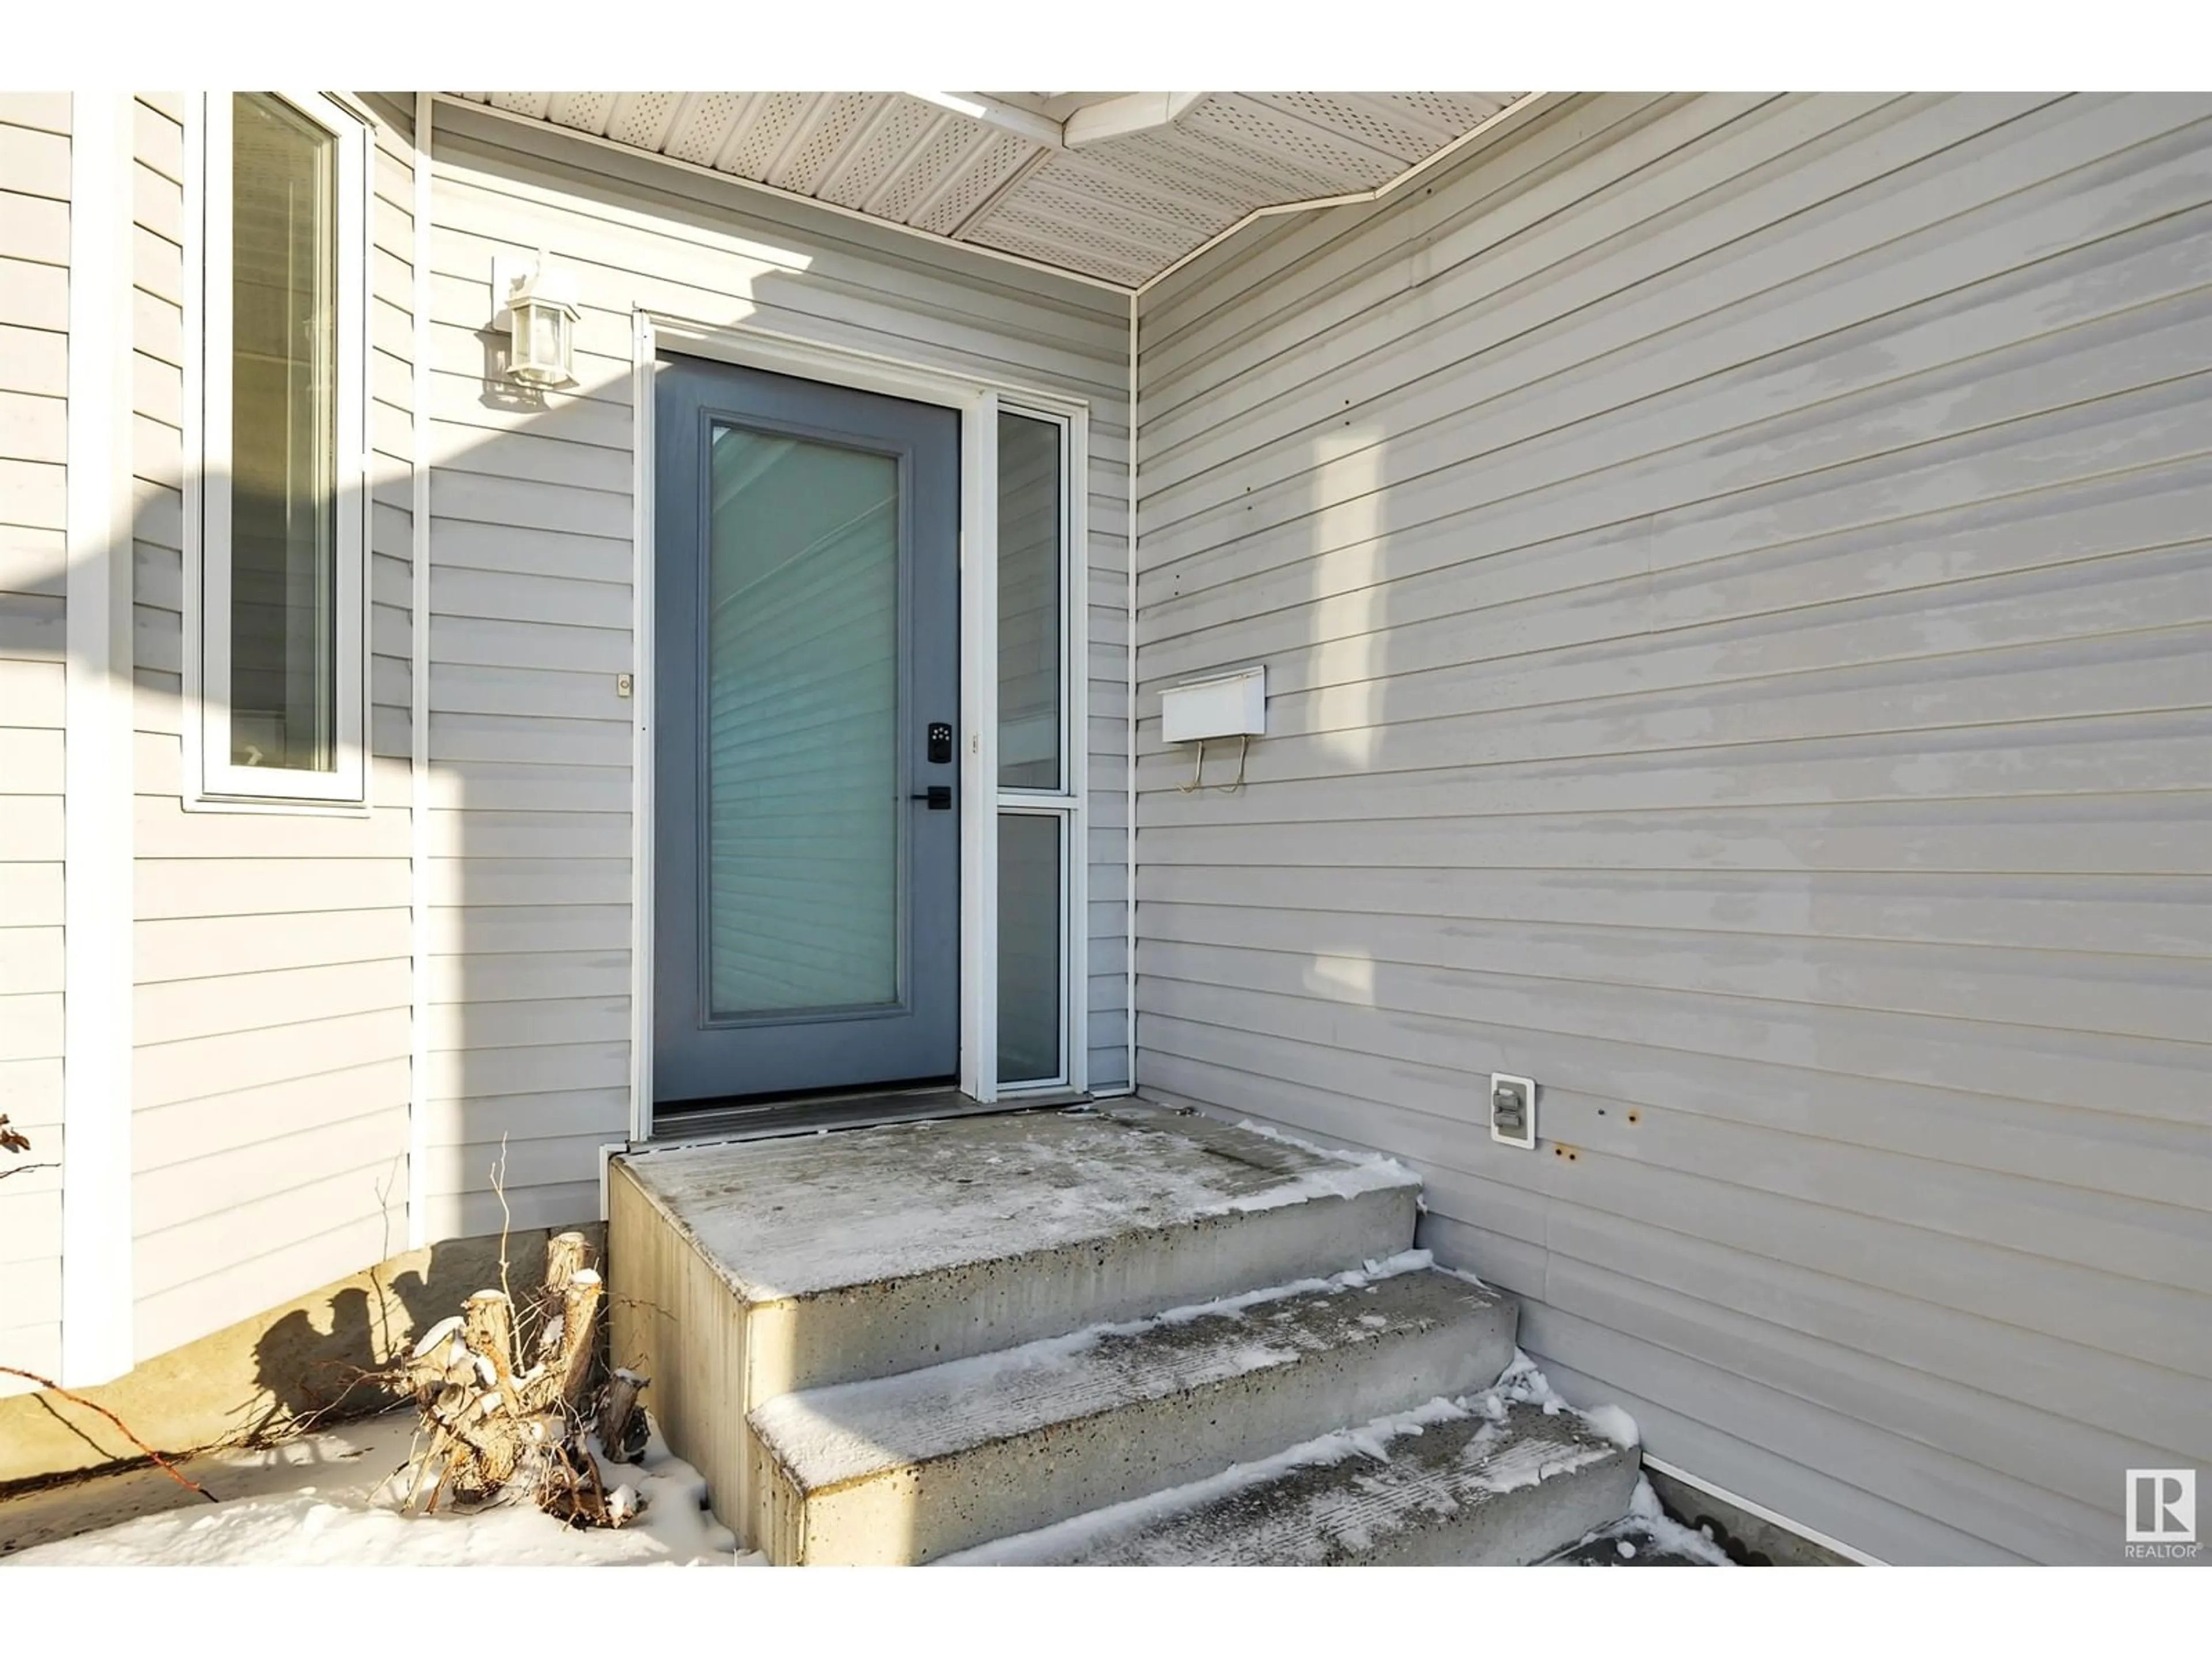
806, 907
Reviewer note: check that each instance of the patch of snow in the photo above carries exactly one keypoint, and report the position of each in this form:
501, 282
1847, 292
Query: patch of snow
1508, 1463
1394, 1173
330, 1499
1525, 1382
1616, 1425
1648, 1527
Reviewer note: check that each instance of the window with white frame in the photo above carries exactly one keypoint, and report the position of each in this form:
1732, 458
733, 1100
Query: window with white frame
280, 612
1036, 770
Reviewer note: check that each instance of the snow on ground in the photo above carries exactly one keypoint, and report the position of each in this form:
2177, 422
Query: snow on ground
329, 1499
1646, 1536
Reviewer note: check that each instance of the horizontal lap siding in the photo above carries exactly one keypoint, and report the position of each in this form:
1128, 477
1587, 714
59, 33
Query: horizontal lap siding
271, 950
531, 605
34, 225
1735, 581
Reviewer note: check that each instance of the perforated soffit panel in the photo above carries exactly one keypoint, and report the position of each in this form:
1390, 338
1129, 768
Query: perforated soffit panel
1122, 209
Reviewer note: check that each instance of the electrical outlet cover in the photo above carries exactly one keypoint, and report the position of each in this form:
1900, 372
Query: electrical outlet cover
1527, 1139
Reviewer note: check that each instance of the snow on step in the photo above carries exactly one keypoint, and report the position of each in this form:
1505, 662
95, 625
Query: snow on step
872, 1251
1483, 1482
910, 1467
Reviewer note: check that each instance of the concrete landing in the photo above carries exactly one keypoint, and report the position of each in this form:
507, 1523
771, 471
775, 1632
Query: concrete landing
905, 1468
810, 1213
1476, 1482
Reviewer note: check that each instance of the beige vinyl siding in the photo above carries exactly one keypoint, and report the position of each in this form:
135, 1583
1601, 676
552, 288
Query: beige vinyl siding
34, 229
272, 950
1733, 580
531, 602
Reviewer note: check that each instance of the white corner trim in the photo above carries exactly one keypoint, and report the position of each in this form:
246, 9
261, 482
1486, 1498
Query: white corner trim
96, 1229
644, 349
418, 699
609, 1151
1129, 720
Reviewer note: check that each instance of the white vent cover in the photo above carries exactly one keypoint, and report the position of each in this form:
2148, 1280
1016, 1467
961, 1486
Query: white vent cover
1229, 705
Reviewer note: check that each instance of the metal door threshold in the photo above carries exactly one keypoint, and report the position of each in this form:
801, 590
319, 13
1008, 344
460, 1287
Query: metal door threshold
817, 1115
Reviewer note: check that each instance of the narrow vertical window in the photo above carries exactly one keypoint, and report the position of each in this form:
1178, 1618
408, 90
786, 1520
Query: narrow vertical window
1036, 774
281, 546
1032, 624
1031, 952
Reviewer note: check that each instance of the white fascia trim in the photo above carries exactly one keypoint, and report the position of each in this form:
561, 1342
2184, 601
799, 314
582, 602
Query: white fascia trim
96, 1223
418, 700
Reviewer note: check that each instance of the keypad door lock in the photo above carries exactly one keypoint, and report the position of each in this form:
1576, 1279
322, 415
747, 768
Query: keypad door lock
940, 743
1513, 1110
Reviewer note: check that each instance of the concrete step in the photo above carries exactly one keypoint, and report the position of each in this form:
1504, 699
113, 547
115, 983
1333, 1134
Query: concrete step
1479, 1482
874, 1251
738, 1273
907, 1468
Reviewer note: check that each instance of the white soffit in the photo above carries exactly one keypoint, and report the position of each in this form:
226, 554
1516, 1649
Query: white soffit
1115, 186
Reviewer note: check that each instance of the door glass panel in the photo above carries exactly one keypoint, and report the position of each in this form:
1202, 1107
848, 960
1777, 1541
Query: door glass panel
1029, 947
283, 440
1028, 603
803, 809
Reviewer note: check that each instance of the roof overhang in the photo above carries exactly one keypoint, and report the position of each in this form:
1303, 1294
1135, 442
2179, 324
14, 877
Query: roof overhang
1117, 188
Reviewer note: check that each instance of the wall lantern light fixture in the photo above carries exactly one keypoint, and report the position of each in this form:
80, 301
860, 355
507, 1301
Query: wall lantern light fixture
540, 309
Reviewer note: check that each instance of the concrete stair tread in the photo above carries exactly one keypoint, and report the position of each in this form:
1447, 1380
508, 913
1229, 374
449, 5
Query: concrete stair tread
819, 1213
1480, 1481
827, 1437
912, 1466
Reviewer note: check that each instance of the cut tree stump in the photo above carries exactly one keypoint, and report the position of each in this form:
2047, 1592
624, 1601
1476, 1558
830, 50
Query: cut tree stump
623, 1431
494, 1421
488, 1324
579, 1336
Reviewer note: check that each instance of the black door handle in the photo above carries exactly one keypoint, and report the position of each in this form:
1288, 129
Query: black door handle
938, 795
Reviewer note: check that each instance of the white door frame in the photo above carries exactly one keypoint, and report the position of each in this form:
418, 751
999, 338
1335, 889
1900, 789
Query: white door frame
978, 399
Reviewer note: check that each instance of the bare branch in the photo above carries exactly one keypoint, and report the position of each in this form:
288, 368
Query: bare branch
161, 1462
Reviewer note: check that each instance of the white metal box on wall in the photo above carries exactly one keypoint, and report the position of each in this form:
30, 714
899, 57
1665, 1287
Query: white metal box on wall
1220, 706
